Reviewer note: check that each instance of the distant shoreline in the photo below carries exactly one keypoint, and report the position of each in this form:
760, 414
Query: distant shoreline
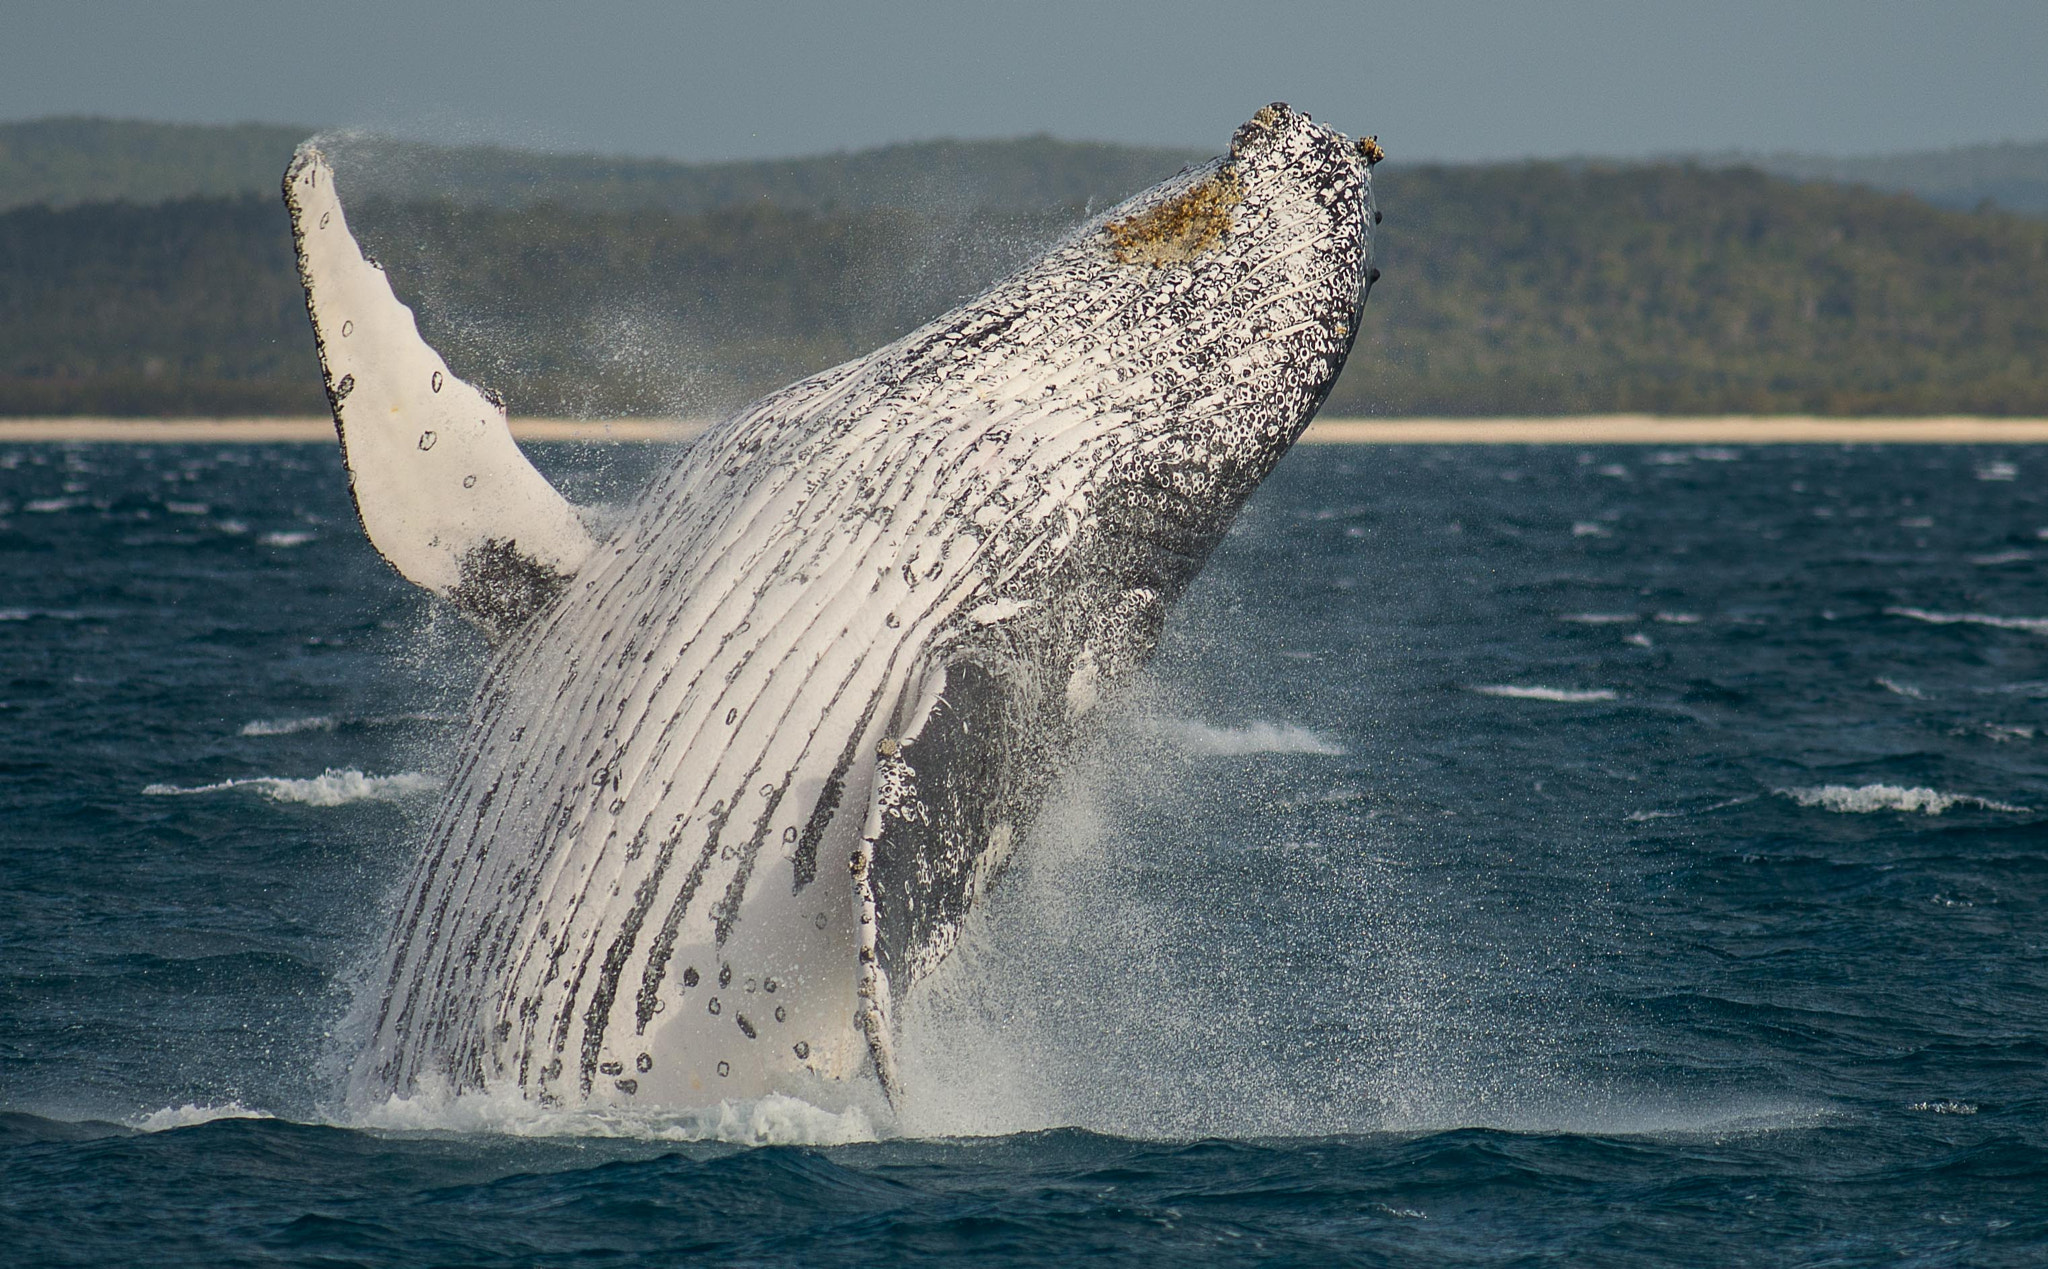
1601, 429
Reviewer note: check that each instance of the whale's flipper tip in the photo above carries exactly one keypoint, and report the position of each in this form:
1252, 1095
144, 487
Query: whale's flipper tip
443, 490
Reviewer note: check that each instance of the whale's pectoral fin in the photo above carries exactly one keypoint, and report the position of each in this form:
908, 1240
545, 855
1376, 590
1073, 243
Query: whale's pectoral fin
950, 790
443, 490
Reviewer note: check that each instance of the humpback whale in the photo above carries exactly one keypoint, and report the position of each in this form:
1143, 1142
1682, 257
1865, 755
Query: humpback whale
737, 772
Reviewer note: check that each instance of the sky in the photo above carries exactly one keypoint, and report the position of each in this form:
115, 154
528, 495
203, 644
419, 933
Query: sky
1443, 79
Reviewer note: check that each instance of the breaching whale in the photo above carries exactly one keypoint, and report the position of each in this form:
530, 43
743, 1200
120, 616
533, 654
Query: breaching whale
737, 773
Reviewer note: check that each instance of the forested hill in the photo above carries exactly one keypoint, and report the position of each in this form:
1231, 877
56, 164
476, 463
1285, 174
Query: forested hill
66, 162
1513, 289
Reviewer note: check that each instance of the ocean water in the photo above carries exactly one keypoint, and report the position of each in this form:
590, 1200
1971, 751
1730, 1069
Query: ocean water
1515, 856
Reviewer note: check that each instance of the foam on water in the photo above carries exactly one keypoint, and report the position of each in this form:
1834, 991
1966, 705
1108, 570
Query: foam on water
1562, 695
333, 787
2032, 625
1865, 799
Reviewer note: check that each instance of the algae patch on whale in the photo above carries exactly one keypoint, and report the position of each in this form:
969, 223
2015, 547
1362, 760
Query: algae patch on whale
1180, 228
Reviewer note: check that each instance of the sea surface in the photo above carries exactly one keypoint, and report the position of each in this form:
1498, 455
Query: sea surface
1515, 856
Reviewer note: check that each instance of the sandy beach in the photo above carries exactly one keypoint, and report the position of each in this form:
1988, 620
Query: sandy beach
1600, 429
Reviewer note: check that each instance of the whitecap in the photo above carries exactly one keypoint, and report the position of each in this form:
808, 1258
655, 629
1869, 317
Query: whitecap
188, 508
190, 1114
1589, 529
334, 787
1867, 798
2032, 625
1998, 470
1563, 695
47, 506
1256, 737
1996, 558
286, 539
1944, 1108
1679, 618
1599, 618
1897, 688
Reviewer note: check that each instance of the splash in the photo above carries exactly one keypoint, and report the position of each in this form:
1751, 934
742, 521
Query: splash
1255, 737
774, 1120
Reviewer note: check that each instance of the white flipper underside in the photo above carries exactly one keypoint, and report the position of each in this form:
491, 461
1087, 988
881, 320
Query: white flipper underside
443, 490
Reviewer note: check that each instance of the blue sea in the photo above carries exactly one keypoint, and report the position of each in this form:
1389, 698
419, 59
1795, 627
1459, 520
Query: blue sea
1515, 856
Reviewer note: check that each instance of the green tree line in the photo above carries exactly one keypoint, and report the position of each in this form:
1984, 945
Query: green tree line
1507, 289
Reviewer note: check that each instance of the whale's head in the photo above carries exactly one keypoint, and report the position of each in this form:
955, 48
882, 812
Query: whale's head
1240, 285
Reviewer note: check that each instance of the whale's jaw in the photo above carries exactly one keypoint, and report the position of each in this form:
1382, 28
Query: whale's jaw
732, 792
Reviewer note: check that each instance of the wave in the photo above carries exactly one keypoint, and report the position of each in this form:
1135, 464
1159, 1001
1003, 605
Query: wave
1897, 688
1864, 799
1599, 618
1563, 695
333, 787
1257, 737
286, 539
2032, 625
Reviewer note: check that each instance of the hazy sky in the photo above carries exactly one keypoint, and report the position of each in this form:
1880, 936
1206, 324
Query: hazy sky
1443, 79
